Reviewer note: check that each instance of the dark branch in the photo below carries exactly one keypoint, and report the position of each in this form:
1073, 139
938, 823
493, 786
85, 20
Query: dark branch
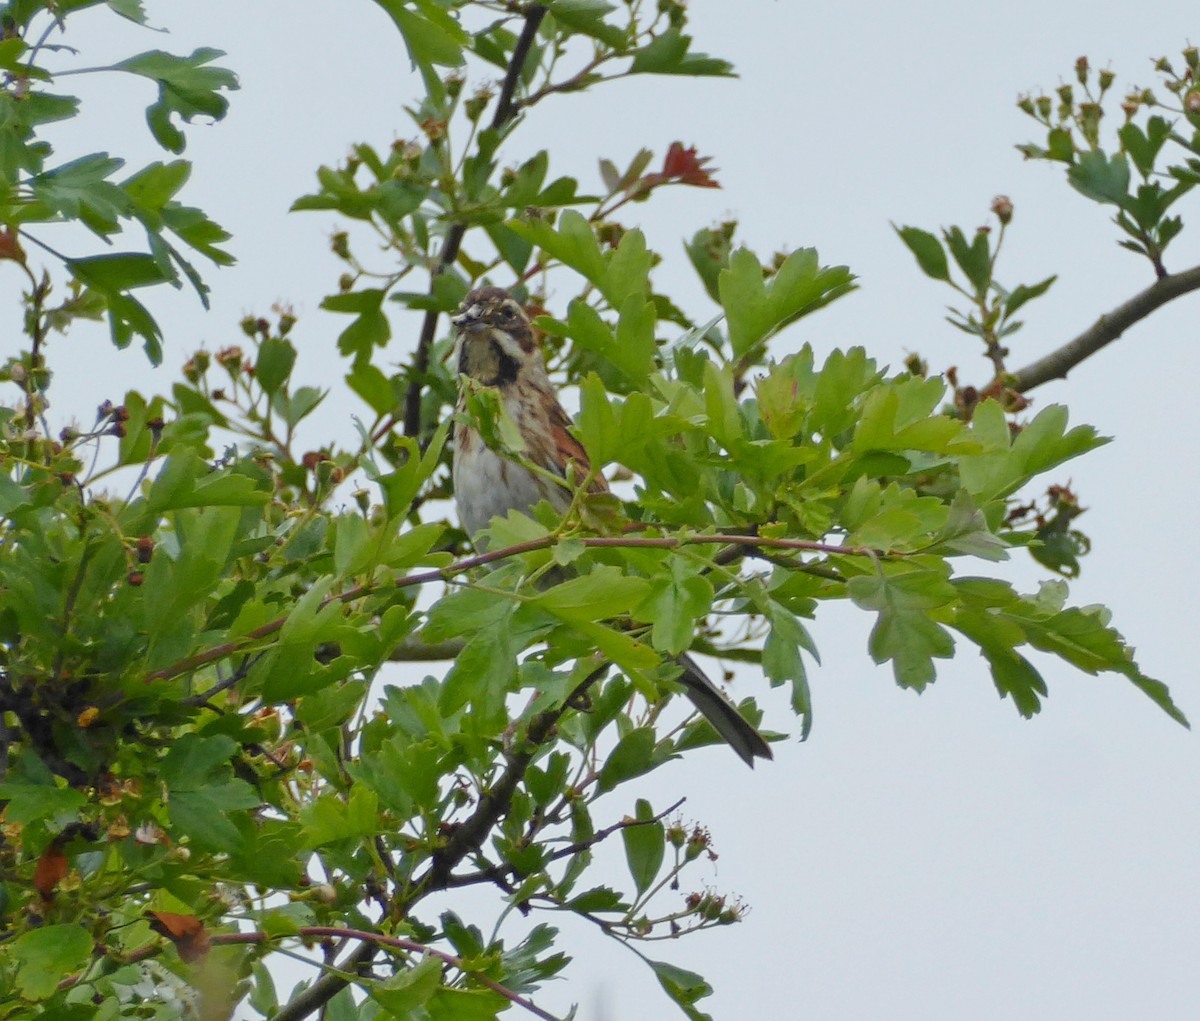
470, 835
328, 986
1106, 329
505, 110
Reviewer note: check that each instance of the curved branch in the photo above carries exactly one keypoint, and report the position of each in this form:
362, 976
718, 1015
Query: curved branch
505, 110
1106, 329
748, 542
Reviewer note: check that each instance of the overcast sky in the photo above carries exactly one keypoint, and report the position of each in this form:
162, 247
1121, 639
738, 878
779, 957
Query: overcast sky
919, 857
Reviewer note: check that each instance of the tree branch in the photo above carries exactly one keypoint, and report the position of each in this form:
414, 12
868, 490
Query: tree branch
748, 542
1106, 329
505, 111
469, 836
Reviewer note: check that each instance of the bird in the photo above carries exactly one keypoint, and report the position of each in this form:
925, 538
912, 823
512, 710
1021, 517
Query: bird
496, 347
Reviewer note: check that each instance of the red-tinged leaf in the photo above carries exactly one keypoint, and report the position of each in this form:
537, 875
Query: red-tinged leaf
51, 869
683, 166
10, 246
187, 932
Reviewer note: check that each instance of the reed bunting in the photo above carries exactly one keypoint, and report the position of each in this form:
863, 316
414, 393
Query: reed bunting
496, 348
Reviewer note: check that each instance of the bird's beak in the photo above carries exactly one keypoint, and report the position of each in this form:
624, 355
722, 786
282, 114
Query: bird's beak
469, 319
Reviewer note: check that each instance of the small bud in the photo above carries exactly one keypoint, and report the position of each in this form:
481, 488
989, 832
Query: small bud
1106, 80
1163, 66
1192, 56
1002, 207
435, 130
1081, 70
230, 358
339, 244
121, 413
362, 497
454, 84
86, 718
1025, 104
311, 459
345, 282
18, 373
1066, 95
117, 429
145, 549
135, 578
248, 326
1044, 105
286, 321
155, 425
1191, 102
477, 104
104, 410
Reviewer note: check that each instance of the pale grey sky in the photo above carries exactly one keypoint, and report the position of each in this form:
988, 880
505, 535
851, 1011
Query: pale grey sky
920, 857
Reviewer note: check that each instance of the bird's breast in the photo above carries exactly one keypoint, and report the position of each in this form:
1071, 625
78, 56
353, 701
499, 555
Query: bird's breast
487, 485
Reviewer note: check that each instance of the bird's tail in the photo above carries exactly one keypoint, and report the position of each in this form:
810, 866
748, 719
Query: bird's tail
716, 707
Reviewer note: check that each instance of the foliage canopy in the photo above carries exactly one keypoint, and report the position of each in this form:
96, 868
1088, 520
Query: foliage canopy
201, 765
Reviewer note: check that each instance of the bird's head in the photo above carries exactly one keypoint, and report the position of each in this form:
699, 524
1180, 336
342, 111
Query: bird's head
495, 341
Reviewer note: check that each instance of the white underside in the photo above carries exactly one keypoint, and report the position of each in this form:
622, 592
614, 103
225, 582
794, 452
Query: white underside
494, 486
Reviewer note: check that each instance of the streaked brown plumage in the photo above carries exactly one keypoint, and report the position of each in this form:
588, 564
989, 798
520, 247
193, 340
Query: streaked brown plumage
496, 348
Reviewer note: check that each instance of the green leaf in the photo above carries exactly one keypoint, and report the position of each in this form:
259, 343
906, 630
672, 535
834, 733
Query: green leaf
119, 271
709, 252
645, 846
587, 17
187, 87
431, 34
573, 243
369, 330
1020, 294
132, 10
683, 986
966, 532
633, 756
406, 992
192, 759
930, 255
670, 53
80, 190
675, 602
276, 356
974, 259
782, 662
1101, 178
45, 956
755, 309
904, 633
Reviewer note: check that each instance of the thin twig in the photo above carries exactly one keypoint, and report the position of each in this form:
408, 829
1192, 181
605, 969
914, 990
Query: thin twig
505, 110
1105, 330
479, 560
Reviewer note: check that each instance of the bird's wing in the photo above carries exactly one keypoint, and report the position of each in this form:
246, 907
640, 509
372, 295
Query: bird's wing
566, 449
